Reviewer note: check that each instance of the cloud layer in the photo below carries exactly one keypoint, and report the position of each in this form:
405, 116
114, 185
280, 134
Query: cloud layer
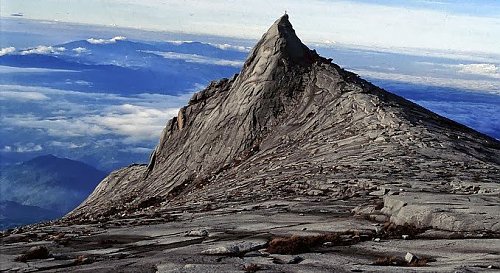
77, 114
488, 86
22, 96
195, 58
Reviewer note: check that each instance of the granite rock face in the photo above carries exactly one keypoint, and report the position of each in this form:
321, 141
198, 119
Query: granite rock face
475, 213
347, 177
291, 124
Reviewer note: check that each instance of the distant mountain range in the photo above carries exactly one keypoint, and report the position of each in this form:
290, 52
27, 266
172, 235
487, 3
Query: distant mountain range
13, 214
122, 66
45, 187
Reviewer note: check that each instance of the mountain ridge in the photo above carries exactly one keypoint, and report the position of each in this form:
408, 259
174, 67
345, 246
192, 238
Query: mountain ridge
13, 214
49, 182
288, 107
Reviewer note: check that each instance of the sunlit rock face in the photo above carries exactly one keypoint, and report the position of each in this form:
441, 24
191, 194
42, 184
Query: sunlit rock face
293, 124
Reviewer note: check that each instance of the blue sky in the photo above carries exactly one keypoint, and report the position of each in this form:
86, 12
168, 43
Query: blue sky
463, 26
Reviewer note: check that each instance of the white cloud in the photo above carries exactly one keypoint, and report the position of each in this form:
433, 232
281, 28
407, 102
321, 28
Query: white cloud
80, 50
55, 126
29, 147
69, 145
22, 96
232, 47
179, 42
135, 122
105, 41
78, 82
490, 70
476, 85
143, 99
137, 150
22, 148
462, 55
7, 50
224, 46
60, 93
41, 49
11, 69
381, 68
195, 58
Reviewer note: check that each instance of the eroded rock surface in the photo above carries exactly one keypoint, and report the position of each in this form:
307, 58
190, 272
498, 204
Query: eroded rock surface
293, 124
451, 212
238, 240
344, 176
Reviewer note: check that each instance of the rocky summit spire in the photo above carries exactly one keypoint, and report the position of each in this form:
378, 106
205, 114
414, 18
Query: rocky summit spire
292, 124
279, 44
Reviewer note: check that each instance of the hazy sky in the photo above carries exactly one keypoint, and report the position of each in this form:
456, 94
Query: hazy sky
472, 26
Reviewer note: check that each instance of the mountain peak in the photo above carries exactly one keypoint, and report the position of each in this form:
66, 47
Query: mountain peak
43, 159
282, 27
290, 123
280, 44
283, 19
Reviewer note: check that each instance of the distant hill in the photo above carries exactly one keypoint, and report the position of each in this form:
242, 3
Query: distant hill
14, 214
43, 188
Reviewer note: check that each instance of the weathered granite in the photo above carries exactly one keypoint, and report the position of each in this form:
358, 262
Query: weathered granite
451, 212
294, 124
296, 149
238, 239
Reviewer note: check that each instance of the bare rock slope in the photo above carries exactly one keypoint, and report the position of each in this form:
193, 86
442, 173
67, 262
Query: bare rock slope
294, 165
293, 123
